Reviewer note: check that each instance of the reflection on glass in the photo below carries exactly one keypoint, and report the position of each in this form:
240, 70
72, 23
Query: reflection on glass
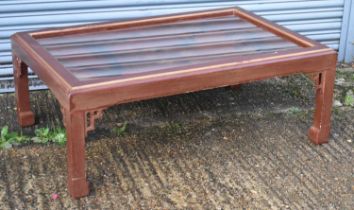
164, 47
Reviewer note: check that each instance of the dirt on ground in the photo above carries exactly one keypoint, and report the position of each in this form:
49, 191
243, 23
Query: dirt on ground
225, 148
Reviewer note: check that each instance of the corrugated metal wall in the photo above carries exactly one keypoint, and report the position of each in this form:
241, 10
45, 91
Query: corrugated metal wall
318, 19
346, 45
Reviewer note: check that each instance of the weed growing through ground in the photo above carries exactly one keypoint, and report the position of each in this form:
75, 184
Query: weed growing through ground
120, 129
59, 136
349, 98
8, 139
175, 128
294, 110
42, 136
45, 135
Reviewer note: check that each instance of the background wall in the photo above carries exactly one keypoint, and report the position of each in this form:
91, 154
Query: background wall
322, 20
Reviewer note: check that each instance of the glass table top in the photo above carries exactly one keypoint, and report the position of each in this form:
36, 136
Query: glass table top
177, 45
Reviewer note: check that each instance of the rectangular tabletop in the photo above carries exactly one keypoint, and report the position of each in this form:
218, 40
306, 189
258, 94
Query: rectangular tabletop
109, 54
168, 46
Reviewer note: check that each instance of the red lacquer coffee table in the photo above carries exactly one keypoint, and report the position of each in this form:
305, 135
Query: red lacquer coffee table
92, 67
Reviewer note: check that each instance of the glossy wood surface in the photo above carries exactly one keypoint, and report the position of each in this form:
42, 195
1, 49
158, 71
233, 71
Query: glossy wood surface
177, 45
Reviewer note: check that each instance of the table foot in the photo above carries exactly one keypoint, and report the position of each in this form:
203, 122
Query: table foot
25, 118
320, 130
24, 114
76, 163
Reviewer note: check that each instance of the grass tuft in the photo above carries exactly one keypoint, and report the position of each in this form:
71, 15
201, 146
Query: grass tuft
41, 136
120, 129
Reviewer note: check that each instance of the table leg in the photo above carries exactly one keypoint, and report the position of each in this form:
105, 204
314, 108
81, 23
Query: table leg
75, 128
24, 114
320, 130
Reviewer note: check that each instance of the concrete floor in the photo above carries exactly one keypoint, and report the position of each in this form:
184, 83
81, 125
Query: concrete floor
215, 149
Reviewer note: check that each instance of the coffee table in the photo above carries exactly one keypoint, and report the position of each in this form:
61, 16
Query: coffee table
89, 68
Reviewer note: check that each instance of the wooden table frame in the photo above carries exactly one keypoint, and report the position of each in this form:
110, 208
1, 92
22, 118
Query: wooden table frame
83, 102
